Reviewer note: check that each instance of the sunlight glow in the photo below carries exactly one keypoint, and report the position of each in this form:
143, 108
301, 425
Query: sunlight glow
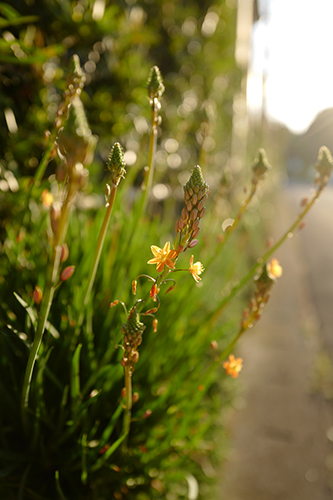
293, 46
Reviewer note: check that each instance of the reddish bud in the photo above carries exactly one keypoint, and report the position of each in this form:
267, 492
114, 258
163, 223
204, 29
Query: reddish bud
184, 215
189, 206
194, 214
153, 290
123, 362
55, 213
67, 273
114, 303
64, 252
134, 283
135, 397
214, 345
193, 243
151, 311
169, 289
135, 356
37, 295
147, 414
123, 392
104, 449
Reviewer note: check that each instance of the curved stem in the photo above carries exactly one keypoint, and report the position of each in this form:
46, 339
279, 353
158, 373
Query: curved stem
216, 313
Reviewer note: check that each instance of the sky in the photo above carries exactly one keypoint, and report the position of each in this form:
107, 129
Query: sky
293, 46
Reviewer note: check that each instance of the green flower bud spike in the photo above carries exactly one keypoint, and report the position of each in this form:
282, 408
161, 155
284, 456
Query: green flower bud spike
196, 183
324, 166
195, 195
260, 166
155, 85
116, 164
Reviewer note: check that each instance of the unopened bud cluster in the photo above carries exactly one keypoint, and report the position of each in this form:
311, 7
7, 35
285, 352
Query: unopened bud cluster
155, 89
195, 196
323, 166
132, 330
75, 84
260, 167
155, 85
116, 164
264, 284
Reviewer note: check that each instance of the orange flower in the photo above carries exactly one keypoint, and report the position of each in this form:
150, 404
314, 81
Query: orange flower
233, 366
163, 257
196, 269
274, 269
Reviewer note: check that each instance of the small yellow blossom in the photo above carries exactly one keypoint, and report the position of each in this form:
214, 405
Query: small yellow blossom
274, 269
233, 366
163, 257
196, 269
47, 198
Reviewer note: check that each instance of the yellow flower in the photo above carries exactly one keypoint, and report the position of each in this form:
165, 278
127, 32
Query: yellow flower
163, 257
196, 269
47, 198
274, 269
233, 366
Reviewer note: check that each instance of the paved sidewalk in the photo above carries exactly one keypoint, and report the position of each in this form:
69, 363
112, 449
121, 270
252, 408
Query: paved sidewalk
282, 439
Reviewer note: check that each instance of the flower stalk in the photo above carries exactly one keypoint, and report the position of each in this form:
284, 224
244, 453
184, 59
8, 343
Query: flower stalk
324, 168
117, 167
155, 89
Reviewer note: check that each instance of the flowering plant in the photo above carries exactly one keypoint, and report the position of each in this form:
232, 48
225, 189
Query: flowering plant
72, 425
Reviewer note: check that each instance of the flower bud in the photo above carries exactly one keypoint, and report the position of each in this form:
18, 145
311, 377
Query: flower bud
155, 321
55, 214
135, 397
116, 164
123, 392
64, 252
194, 214
214, 345
67, 273
135, 356
147, 414
134, 283
37, 295
155, 85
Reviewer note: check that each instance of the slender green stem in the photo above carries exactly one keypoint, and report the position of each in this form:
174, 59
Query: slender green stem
216, 313
51, 276
231, 228
151, 158
93, 269
128, 410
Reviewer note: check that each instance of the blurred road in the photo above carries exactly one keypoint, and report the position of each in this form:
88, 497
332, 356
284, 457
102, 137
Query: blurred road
282, 437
